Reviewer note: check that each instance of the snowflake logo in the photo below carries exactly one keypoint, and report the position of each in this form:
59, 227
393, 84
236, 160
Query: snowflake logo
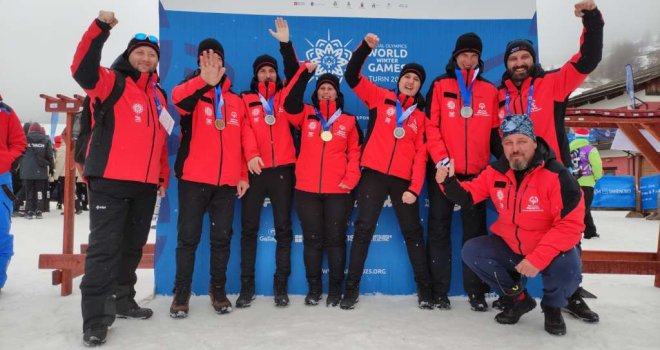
331, 56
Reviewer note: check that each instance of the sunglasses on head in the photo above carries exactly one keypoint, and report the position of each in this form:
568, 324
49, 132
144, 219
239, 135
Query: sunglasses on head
143, 36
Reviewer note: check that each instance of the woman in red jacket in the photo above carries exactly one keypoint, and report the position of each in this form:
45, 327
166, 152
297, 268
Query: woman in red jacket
327, 170
393, 159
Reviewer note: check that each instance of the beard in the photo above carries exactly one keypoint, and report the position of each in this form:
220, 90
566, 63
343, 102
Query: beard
519, 77
518, 164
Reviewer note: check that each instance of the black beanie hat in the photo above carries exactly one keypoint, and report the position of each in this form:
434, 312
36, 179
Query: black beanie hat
517, 45
263, 60
210, 44
135, 43
468, 42
328, 78
414, 68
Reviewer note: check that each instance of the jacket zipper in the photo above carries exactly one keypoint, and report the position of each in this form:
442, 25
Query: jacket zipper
221, 150
513, 219
392, 156
153, 134
321, 170
270, 127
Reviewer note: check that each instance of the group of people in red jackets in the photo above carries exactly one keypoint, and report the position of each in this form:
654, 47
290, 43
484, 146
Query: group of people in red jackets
242, 145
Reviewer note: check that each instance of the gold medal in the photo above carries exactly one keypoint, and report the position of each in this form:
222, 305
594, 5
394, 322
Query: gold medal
326, 136
219, 124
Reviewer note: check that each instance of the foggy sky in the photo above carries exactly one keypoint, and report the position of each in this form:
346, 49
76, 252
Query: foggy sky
39, 38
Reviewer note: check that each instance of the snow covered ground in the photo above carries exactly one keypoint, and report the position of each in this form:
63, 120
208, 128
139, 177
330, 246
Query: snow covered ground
34, 316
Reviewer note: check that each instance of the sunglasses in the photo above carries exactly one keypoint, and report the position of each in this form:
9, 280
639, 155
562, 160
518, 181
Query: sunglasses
143, 36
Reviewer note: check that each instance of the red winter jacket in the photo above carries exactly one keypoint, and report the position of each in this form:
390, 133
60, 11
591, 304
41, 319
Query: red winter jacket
275, 142
466, 140
551, 89
12, 138
403, 158
206, 154
540, 217
321, 165
131, 144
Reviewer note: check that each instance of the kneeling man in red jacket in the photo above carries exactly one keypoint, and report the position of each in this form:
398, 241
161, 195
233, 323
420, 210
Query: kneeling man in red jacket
539, 205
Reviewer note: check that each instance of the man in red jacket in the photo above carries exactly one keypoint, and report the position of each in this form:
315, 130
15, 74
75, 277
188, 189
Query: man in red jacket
212, 170
463, 125
126, 167
272, 175
12, 145
540, 222
528, 89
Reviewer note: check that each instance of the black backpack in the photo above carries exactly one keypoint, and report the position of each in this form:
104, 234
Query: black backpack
82, 125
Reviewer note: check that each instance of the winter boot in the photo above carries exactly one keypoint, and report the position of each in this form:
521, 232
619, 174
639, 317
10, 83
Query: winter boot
179, 307
554, 321
281, 297
441, 302
246, 296
501, 303
219, 300
351, 295
579, 309
128, 308
478, 302
314, 292
424, 296
519, 305
334, 294
95, 335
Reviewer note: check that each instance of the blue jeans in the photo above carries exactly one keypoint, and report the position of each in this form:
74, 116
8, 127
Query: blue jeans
494, 262
6, 239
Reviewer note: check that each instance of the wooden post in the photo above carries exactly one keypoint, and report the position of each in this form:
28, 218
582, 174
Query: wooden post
69, 203
71, 106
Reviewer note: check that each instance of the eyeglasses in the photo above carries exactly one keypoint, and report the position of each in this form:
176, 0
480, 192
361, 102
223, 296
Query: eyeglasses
143, 36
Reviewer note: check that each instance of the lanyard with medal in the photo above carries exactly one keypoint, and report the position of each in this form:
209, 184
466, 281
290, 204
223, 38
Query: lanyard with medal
219, 102
164, 116
326, 134
530, 101
399, 131
466, 92
268, 107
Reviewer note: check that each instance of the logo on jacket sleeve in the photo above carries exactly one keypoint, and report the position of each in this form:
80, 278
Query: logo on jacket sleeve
208, 111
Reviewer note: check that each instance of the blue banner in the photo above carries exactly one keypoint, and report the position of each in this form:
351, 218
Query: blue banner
325, 33
649, 186
614, 192
630, 86
54, 117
